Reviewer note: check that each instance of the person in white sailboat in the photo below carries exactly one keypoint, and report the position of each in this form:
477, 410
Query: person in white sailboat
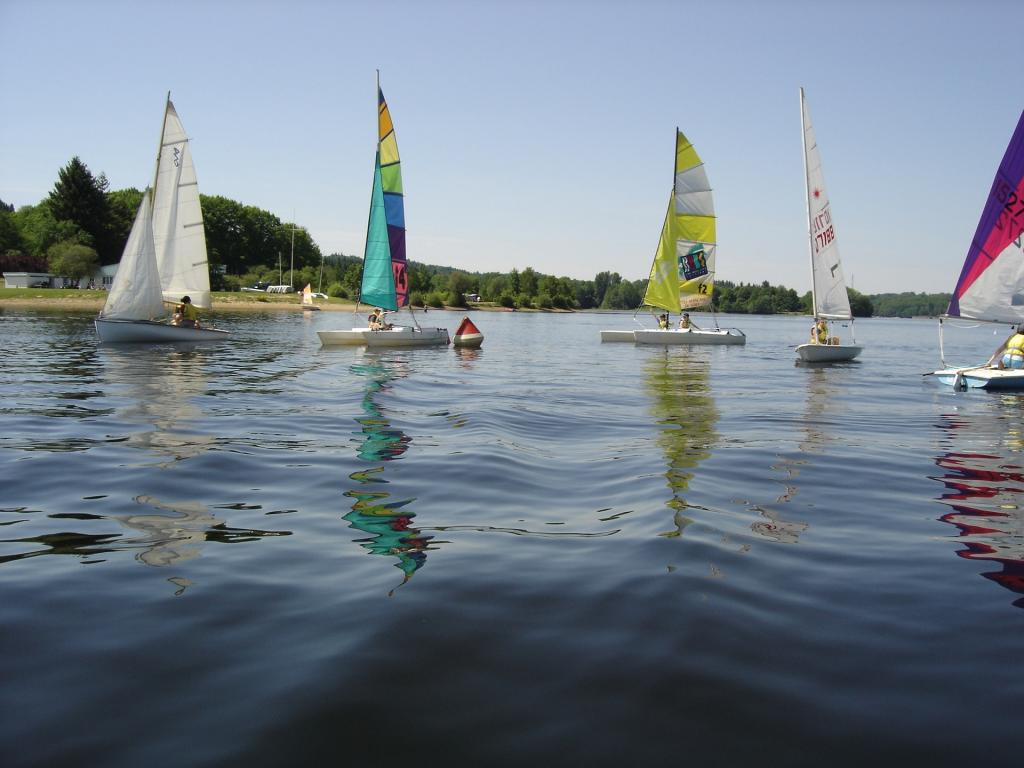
1013, 352
685, 323
189, 315
819, 333
377, 321
663, 321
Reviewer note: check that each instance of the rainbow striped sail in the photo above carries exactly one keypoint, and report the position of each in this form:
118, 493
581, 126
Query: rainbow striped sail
385, 281
683, 273
991, 284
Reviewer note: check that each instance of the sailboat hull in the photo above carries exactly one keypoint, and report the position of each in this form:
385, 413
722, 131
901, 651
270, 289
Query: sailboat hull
618, 336
827, 353
399, 336
688, 336
982, 378
151, 331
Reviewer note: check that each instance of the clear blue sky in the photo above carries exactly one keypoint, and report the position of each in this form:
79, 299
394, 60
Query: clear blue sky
541, 133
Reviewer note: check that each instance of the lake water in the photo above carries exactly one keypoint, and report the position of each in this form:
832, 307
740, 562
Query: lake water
549, 551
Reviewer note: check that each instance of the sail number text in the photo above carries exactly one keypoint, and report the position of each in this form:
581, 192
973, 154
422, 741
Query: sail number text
1013, 207
821, 239
821, 227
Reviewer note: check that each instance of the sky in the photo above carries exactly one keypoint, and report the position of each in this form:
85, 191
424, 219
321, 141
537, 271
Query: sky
541, 134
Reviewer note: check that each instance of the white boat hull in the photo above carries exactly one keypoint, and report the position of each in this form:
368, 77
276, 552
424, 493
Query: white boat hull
827, 353
688, 336
400, 336
151, 331
617, 336
982, 377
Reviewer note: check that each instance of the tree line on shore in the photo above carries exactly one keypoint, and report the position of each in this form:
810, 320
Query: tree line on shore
82, 224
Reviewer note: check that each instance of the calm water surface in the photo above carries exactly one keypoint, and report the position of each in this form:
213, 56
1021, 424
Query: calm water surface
545, 551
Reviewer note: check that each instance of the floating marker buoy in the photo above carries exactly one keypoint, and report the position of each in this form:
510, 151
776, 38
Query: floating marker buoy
467, 335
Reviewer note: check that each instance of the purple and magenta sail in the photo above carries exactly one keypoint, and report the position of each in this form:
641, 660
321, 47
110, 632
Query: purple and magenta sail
991, 284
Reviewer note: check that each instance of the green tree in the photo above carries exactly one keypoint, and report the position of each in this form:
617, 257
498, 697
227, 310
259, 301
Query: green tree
602, 282
74, 260
10, 237
40, 230
860, 305
123, 205
80, 197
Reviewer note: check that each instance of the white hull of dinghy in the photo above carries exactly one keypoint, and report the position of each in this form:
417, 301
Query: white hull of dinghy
982, 377
827, 353
617, 336
151, 331
690, 336
400, 336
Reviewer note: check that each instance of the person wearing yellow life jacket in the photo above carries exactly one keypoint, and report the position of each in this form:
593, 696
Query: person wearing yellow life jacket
819, 333
663, 321
186, 315
1013, 352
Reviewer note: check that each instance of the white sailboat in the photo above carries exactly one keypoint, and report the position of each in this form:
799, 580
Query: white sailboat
683, 273
991, 284
164, 259
307, 299
385, 280
828, 288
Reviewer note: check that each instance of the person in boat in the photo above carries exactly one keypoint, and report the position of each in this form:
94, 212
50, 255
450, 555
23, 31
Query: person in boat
819, 333
377, 321
663, 321
686, 324
189, 314
1013, 352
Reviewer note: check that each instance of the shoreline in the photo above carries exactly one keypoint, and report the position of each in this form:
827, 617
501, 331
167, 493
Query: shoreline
223, 303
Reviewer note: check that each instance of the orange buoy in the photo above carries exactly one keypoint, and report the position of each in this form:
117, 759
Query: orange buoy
467, 335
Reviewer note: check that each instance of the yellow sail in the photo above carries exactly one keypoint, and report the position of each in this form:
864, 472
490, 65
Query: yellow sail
663, 282
683, 272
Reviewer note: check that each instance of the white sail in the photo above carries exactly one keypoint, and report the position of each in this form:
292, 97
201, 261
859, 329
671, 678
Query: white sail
135, 293
828, 286
178, 219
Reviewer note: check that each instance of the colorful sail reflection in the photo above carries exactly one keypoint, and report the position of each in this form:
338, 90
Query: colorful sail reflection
991, 284
685, 413
388, 522
984, 489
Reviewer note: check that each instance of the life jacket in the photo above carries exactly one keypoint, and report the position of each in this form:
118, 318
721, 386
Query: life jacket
821, 334
1015, 346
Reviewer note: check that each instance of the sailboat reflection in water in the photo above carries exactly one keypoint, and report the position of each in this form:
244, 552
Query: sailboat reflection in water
984, 479
161, 387
686, 414
388, 522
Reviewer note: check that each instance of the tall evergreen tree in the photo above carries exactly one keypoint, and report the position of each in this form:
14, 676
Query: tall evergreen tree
80, 197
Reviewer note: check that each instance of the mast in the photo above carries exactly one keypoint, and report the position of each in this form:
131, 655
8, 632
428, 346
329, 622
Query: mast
160, 146
291, 268
807, 198
369, 215
672, 214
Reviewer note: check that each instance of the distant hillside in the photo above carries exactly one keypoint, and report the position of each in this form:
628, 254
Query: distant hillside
909, 304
